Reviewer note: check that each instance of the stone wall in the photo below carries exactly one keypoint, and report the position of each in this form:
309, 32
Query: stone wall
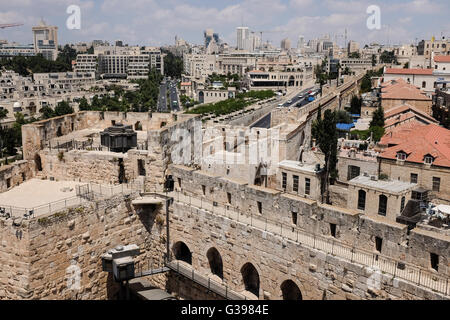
37, 256
352, 227
316, 274
14, 174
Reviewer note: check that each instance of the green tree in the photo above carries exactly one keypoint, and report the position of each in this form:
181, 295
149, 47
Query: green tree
3, 113
374, 60
354, 55
83, 104
47, 112
173, 65
355, 105
378, 118
325, 132
63, 108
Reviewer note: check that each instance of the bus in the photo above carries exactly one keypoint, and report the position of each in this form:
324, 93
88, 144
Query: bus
312, 96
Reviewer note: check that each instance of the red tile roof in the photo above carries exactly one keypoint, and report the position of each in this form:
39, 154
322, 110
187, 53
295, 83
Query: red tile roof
409, 71
418, 141
442, 59
406, 110
399, 89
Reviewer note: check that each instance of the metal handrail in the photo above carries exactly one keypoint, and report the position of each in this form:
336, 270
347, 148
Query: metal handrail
357, 254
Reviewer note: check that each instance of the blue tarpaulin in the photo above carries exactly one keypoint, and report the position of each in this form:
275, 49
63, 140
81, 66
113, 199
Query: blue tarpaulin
345, 126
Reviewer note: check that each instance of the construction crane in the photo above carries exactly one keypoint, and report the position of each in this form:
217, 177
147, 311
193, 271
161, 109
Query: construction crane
10, 25
270, 31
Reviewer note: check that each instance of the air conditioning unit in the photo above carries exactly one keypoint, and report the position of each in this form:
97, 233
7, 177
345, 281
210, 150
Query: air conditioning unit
365, 174
374, 178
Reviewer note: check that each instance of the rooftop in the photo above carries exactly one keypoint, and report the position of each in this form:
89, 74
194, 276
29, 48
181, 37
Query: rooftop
382, 185
298, 166
38, 194
442, 59
399, 89
417, 142
409, 71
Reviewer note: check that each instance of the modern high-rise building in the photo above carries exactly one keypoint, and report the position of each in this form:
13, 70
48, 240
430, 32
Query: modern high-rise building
353, 46
208, 35
286, 44
243, 37
301, 42
45, 40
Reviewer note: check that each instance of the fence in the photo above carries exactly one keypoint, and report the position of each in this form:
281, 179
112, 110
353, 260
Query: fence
212, 285
334, 247
84, 194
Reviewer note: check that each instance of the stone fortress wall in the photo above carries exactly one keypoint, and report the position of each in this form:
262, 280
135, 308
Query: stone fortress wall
40, 257
317, 274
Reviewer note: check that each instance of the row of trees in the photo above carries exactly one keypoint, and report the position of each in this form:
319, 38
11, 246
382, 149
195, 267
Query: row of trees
143, 100
26, 66
173, 65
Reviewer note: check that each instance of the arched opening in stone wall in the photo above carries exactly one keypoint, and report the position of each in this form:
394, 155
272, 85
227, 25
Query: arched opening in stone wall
138, 126
215, 262
250, 277
38, 162
59, 132
122, 176
290, 291
181, 252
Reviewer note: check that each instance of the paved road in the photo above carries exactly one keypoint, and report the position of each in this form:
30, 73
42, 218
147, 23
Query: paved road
168, 87
298, 101
173, 95
162, 100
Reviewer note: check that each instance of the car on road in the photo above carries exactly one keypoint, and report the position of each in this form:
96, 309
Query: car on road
300, 96
289, 101
280, 105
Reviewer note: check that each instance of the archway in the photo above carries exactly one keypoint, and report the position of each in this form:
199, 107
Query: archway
201, 97
215, 262
250, 277
291, 81
38, 162
290, 291
181, 252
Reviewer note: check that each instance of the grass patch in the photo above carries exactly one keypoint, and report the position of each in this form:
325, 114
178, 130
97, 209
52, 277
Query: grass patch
241, 101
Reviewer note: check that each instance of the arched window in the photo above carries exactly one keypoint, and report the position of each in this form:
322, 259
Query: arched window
250, 277
382, 205
290, 291
215, 262
181, 252
361, 200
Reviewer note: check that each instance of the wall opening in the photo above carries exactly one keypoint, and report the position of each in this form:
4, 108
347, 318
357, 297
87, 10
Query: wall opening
434, 259
181, 252
122, 178
382, 205
290, 291
215, 262
204, 190
38, 162
138, 126
141, 167
8, 183
229, 197
294, 217
361, 199
59, 132
378, 243
259, 205
250, 277
333, 229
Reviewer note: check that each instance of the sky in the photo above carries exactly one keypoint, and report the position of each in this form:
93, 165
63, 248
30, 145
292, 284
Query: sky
156, 22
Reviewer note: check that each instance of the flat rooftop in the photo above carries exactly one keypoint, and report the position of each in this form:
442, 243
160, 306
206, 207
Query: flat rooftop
394, 186
298, 166
38, 194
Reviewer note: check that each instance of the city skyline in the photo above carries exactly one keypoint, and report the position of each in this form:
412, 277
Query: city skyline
148, 22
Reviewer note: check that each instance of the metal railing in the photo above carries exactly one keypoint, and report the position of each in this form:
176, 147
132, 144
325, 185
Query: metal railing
91, 191
333, 247
219, 288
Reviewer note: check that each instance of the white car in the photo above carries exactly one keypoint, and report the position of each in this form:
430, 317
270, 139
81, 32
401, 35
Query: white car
289, 101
